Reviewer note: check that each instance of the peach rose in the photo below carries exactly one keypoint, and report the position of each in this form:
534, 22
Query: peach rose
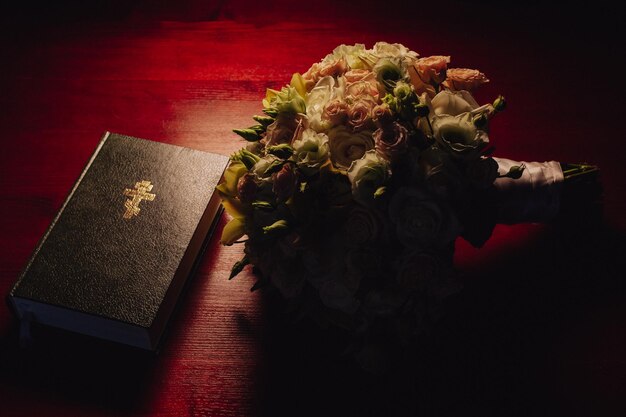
318, 70
464, 79
363, 89
336, 112
355, 75
432, 69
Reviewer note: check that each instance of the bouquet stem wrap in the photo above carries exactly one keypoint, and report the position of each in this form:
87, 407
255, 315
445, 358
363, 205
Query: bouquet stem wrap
534, 197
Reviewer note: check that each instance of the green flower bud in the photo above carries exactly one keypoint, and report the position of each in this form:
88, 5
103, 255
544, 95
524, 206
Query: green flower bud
246, 157
259, 129
283, 151
404, 93
271, 112
515, 172
391, 101
250, 135
264, 120
499, 104
238, 267
287, 100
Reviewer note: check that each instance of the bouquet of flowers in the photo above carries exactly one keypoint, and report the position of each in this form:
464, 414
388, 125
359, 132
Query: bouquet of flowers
360, 176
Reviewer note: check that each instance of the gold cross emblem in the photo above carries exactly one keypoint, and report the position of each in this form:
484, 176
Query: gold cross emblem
140, 192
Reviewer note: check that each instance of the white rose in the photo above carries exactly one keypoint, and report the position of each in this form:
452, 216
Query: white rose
458, 135
452, 103
311, 152
316, 101
394, 50
350, 53
367, 175
347, 146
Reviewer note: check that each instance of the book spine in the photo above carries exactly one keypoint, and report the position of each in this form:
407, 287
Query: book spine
54, 221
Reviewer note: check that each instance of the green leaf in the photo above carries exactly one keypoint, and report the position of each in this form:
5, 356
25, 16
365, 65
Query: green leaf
277, 226
379, 192
246, 157
262, 205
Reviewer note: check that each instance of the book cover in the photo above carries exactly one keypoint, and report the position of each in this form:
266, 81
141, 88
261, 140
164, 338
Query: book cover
115, 258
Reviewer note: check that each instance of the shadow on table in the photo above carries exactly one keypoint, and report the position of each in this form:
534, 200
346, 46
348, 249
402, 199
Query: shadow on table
536, 332
91, 372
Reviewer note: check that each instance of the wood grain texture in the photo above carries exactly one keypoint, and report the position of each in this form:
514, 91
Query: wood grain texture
547, 337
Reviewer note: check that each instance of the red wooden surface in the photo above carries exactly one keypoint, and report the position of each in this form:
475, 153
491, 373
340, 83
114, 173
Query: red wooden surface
540, 327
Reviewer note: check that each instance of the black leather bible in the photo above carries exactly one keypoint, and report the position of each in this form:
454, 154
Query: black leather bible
114, 260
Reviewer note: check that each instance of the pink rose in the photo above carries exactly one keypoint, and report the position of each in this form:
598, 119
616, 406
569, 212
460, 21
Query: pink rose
336, 111
285, 129
391, 140
247, 188
359, 114
285, 182
464, 79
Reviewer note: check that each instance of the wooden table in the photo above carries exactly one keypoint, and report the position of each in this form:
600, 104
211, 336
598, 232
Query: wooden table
540, 327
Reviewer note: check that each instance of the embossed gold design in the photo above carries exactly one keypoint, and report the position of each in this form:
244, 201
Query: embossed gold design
139, 193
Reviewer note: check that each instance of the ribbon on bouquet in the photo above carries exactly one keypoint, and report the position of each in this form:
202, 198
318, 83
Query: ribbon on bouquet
534, 197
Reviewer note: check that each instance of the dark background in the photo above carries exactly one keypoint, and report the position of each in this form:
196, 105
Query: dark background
540, 326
